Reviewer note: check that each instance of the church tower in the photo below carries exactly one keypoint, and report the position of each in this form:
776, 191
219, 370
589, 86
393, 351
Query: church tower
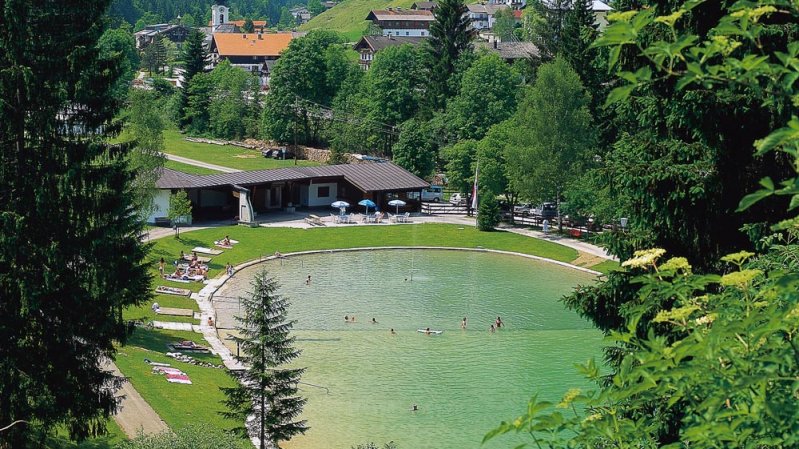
219, 14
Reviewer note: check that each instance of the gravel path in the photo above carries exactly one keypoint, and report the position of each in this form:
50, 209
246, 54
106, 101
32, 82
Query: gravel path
196, 163
135, 415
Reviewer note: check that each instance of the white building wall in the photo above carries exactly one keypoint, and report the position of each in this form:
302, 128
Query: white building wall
160, 205
406, 32
314, 199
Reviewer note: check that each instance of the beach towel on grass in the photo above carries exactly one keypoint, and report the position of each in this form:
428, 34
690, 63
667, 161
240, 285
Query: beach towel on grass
178, 379
167, 370
203, 250
172, 290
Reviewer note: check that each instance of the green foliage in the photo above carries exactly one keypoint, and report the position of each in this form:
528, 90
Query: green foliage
223, 103
193, 437
248, 27
492, 153
179, 209
315, 7
234, 102
188, 20
701, 360
118, 43
543, 25
487, 96
415, 149
504, 24
286, 21
266, 389
554, 134
451, 36
194, 62
154, 56
70, 251
460, 158
148, 18
144, 125
300, 85
488, 213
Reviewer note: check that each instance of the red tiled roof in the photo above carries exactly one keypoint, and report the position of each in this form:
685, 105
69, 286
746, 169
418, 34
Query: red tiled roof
251, 44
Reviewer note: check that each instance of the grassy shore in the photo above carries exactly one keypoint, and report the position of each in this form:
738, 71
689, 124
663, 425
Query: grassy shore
183, 405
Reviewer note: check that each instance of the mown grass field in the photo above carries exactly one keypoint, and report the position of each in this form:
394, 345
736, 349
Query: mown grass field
191, 169
223, 155
349, 16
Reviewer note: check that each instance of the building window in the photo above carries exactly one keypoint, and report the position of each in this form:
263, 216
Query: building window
323, 192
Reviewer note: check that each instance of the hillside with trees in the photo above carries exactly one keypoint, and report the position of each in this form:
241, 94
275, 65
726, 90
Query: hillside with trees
348, 17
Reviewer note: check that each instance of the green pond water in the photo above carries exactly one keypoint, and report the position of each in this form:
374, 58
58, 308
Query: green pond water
464, 382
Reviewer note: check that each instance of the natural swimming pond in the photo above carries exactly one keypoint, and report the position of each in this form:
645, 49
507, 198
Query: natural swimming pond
464, 382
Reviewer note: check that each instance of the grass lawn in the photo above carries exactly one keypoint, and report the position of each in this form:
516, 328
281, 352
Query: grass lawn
108, 441
178, 405
191, 169
607, 266
262, 242
224, 155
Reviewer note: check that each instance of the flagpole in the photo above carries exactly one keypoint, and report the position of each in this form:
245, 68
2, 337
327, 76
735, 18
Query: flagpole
474, 191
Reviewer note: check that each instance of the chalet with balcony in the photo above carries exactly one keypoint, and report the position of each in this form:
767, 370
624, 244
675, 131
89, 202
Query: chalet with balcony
254, 52
402, 22
368, 46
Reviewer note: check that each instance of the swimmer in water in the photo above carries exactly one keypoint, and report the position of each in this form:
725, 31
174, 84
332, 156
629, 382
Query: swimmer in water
491, 329
374, 321
308, 281
427, 331
347, 318
499, 322
415, 408
392, 331
463, 323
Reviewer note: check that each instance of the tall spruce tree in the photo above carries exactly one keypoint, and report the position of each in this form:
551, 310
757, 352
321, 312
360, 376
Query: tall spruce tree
194, 59
265, 389
70, 255
451, 35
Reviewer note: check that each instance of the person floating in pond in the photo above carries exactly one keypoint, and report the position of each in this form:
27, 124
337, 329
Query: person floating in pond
374, 321
308, 281
427, 331
491, 329
463, 323
347, 318
499, 322
352, 319
392, 331
415, 408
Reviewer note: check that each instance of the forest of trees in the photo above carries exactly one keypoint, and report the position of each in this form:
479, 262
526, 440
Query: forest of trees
194, 12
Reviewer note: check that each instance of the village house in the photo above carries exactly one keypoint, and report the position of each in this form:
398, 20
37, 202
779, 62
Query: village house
515, 4
482, 15
367, 46
175, 33
301, 14
250, 194
599, 8
254, 52
402, 22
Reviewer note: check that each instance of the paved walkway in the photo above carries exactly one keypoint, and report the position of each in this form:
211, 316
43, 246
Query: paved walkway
196, 163
579, 245
135, 415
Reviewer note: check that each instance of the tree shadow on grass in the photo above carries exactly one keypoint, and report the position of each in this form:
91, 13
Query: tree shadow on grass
157, 340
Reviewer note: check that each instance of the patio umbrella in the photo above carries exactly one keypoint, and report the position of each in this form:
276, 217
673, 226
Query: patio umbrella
367, 204
397, 203
341, 205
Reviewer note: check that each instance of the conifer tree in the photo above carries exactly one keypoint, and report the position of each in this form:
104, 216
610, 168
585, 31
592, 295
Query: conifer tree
70, 255
194, 59
451, 35
266, 389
